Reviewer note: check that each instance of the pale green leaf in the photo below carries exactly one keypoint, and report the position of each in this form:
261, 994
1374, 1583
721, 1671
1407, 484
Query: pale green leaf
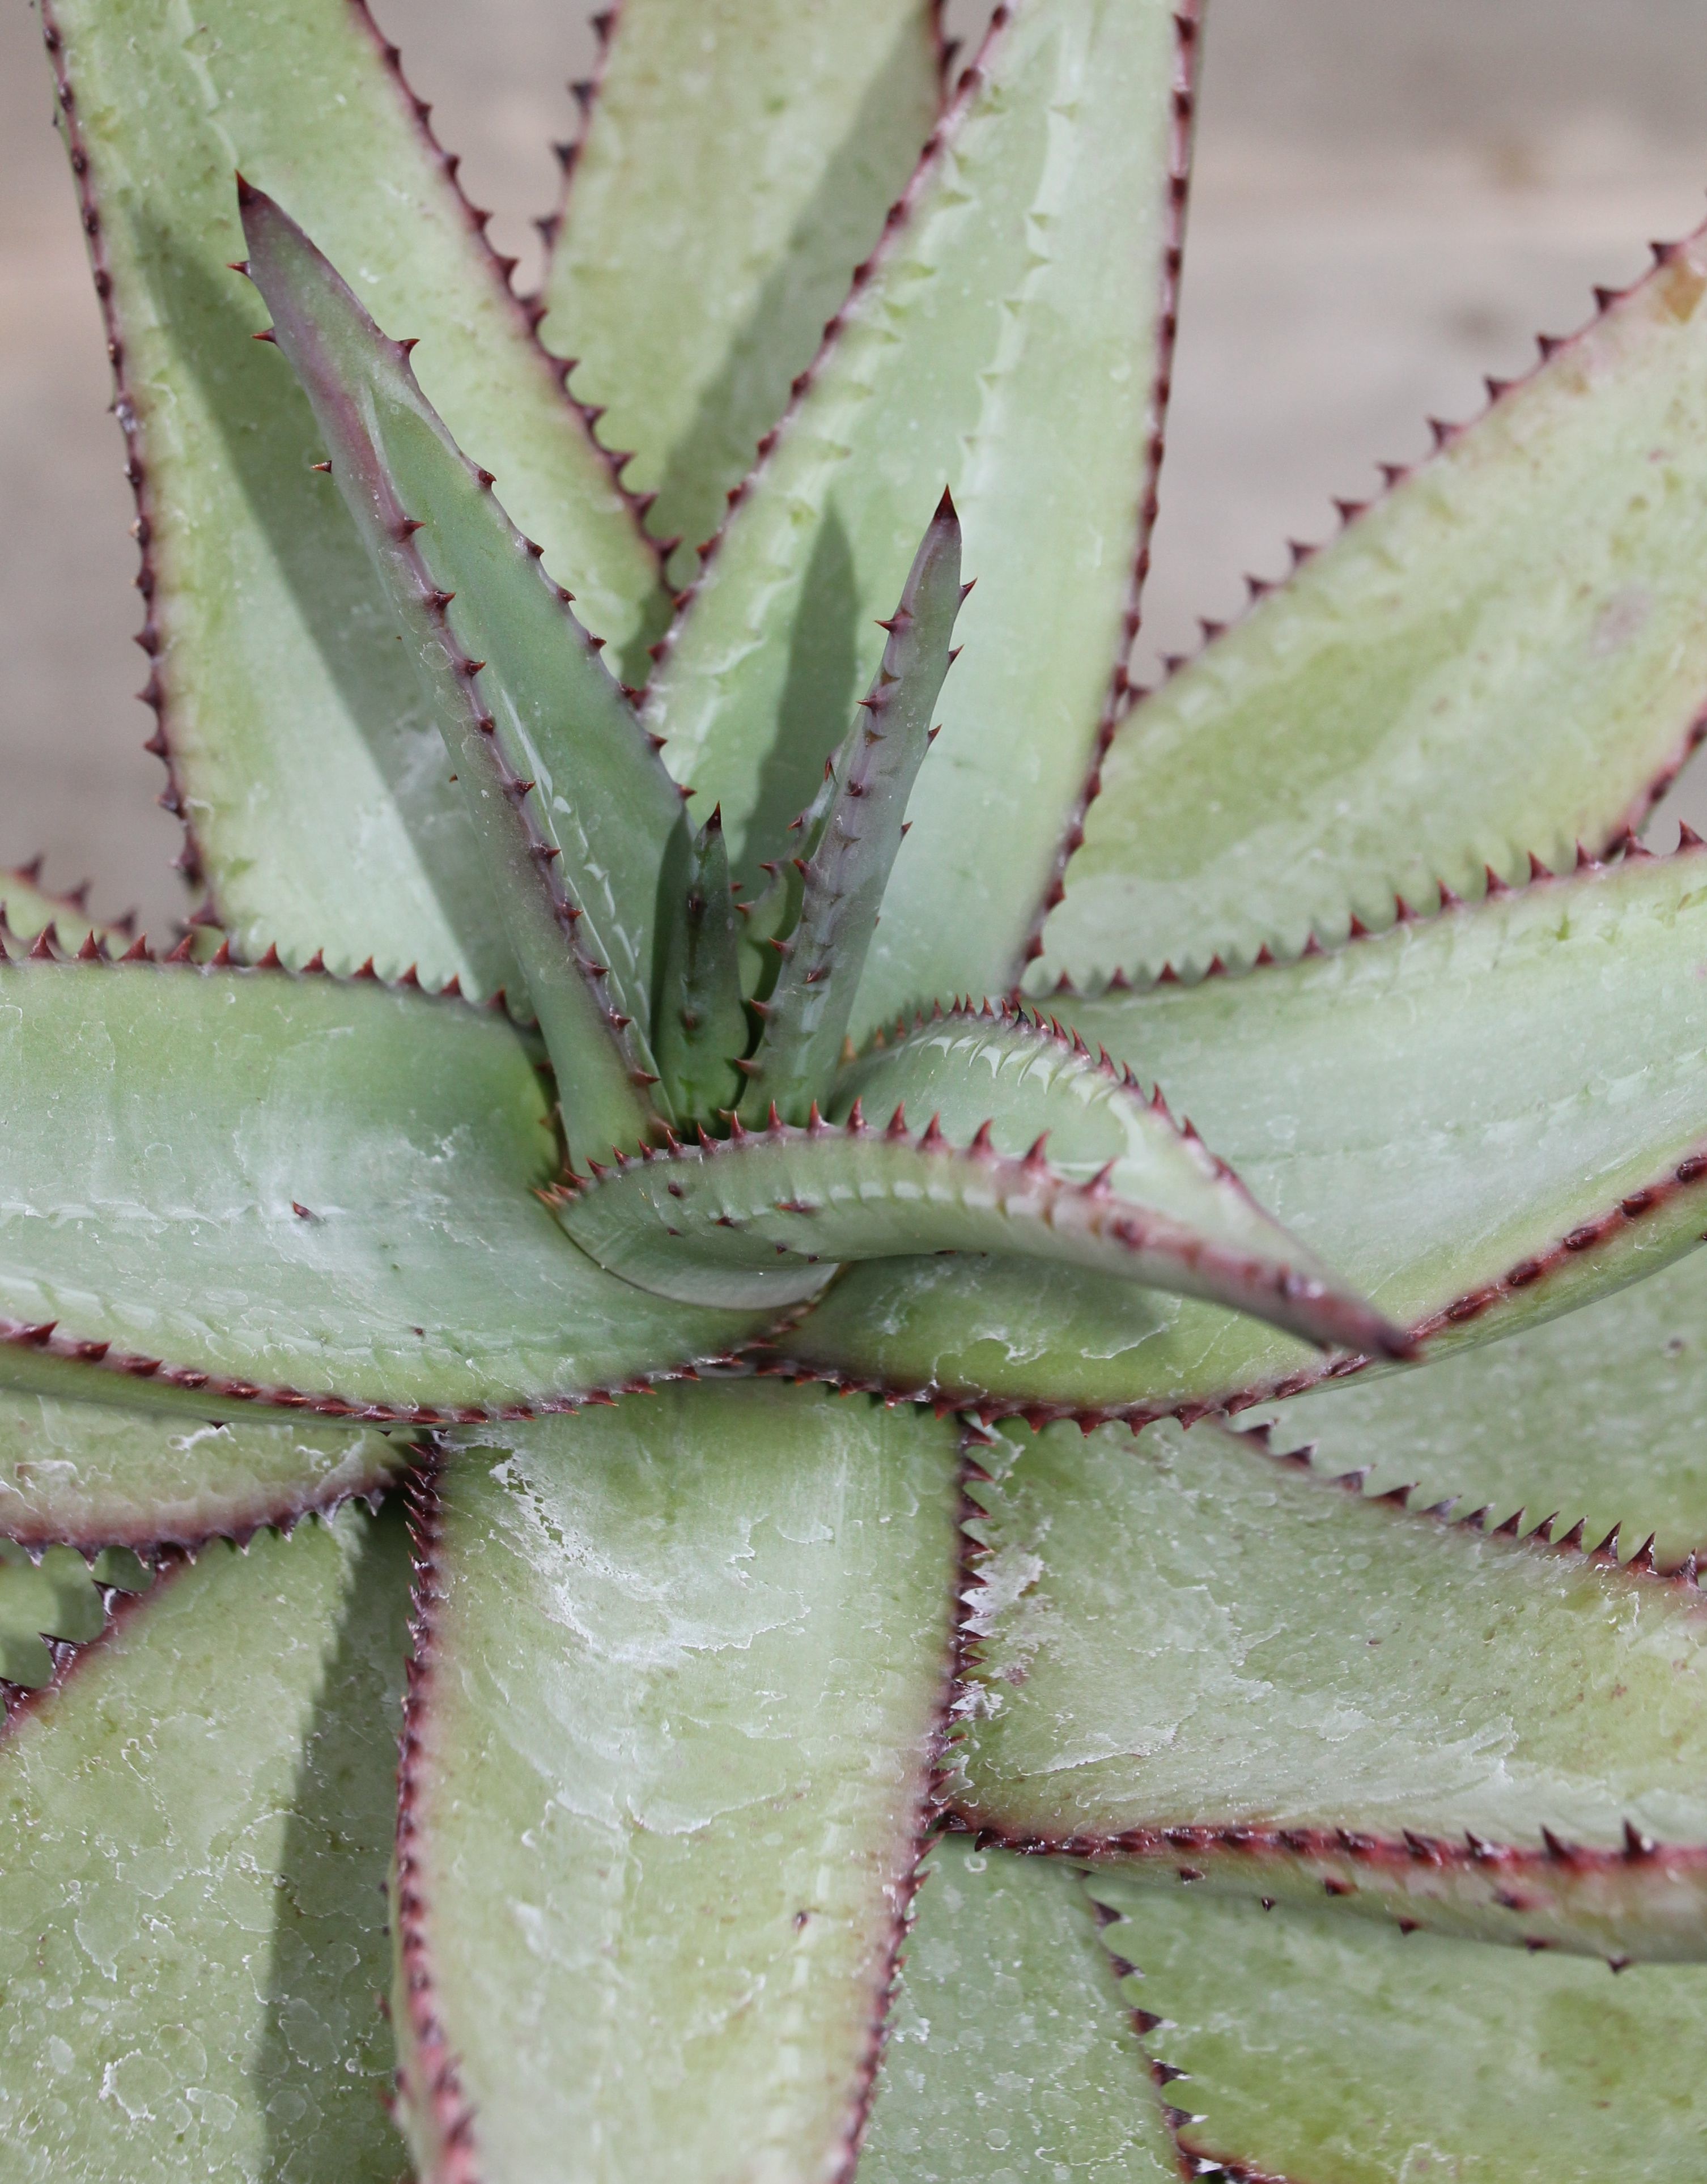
311, 780
1009, 2054
27, 909
1312, 2047
1006, 344
738, 162
193, 1842
683, 1666
850, 836
96, 1475
1595, 1418
247, 1183
1478, 1121
1320, 1692
1505, 655
54, 1593
767, 1218
550, 761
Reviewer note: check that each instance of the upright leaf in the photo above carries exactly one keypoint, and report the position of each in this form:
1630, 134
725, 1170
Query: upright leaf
192, 1839
1009, 339
737, 163
853, 838
681, 1670
550, 760
1502, 656
230, 1187
701, 1023
1407, 1107
317, 801
1009, 2051
1194, 1656
1300, 2044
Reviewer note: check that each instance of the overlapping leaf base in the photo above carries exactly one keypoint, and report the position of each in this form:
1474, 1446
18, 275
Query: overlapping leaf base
770, 1756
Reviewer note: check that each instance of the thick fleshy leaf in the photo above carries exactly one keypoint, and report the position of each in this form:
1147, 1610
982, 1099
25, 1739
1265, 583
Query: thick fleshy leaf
1008, 340
1505, 655
97, 1476
767, 1218
1408, 1108
316, 795
1301, 2045
550, 759
701, 1027
738, 163
231, 1186
851, 834
193, 1841
1594, 1420
682, 1669
1195, 1655
1010, 2054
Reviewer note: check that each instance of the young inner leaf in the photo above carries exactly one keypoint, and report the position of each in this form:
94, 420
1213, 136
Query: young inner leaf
701, 1023
853, 834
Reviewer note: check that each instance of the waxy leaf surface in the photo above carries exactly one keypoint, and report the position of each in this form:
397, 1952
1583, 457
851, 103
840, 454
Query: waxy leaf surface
267, 1183
1505, 655
737, 165
684, 1662
767, 1218
54, 1594
1009, 2052
549, 759
1329, 2051
1408, 1108
193, 1842
1142, 1664
1595, 1417
317, 797
1007, 344
97, 1475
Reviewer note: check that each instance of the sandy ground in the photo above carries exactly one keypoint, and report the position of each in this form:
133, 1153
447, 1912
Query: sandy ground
1393, 195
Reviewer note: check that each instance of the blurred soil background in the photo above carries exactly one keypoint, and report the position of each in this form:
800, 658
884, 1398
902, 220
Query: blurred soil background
1392, 198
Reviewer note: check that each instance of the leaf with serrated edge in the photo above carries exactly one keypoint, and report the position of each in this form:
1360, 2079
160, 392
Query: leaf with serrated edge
54, 1593
1594, 1418
1503, 655
1006, 344
550, 759
1143, 1686
1007, 2039
264, 1183
96, 1476
27, 909
193, 1840
851, 835
700, 1028
737, 163
315, 794
683, 1654
1302, 2045
1406, 1108
768, 1217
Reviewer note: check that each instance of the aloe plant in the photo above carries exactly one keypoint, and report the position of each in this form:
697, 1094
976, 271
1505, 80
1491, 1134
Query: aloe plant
542, 1268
